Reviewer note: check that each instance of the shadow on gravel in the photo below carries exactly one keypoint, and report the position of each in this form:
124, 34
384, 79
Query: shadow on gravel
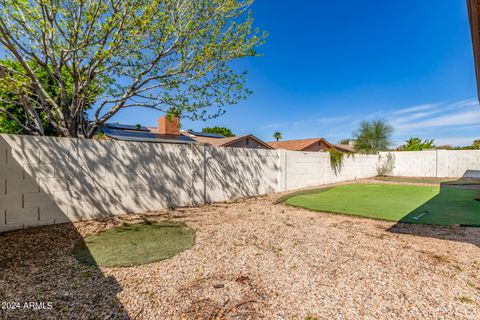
452, 233
40, 278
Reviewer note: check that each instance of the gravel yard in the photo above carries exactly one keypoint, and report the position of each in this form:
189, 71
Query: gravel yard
252, 259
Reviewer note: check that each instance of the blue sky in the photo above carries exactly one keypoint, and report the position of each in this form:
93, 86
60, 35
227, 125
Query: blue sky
327, 65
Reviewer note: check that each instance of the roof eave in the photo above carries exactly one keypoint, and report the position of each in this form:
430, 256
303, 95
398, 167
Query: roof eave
473, 15
319, 140
226, 144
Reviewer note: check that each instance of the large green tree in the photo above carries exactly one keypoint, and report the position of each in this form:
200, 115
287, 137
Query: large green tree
219, 130
22, 112
167, 55
373, 136
417, 144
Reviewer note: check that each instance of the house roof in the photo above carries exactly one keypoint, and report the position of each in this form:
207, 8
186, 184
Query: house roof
208, 135
225, 142
126, 133
297, 145
474, 17
127, 127
344, 147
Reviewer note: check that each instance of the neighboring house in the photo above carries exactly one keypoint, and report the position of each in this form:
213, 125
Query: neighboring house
350, 147
313, 145
217, 140
168, 131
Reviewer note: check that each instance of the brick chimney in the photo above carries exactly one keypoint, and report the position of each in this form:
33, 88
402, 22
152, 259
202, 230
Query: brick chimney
167, 126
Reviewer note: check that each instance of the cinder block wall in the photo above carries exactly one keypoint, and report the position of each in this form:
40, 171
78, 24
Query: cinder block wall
233, 173
48, 180
303, 169
355, 166
436, 163
45, 180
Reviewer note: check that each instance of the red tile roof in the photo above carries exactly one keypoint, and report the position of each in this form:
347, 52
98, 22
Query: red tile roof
297, 145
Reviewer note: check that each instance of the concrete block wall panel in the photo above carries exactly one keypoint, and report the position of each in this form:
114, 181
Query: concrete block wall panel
53, 212
3, 216
37, 199
34, 150
458, 163
197, 171
21, 215
21, 185
442, 162
354, 167
414, 163
305, 169
439, 163
233, 173
11, 201
281, 173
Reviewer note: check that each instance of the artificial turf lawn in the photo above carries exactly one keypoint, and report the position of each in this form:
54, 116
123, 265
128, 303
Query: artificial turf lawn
446, 206
135, 244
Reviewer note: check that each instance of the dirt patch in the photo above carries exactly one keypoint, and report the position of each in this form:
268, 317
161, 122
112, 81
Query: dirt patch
252, 260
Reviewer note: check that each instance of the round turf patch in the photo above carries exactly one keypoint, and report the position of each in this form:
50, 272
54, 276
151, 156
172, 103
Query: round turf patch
135, 244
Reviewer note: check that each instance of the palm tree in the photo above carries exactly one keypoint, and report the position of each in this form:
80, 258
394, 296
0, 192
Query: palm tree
373, 136
277, 135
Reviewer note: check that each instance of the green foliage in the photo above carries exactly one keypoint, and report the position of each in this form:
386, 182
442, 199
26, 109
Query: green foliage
21, 106
336, 159
475, 145
16, 95
100, 135
385, 165
171, 56
219, 130
277, 135
417, 144
373, 136
344, 141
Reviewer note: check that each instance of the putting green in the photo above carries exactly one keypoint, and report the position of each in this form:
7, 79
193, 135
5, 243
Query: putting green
446, 206
135, 244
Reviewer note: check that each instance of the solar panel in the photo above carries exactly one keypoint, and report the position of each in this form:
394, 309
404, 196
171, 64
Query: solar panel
142, 136
208, 135
127, 127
